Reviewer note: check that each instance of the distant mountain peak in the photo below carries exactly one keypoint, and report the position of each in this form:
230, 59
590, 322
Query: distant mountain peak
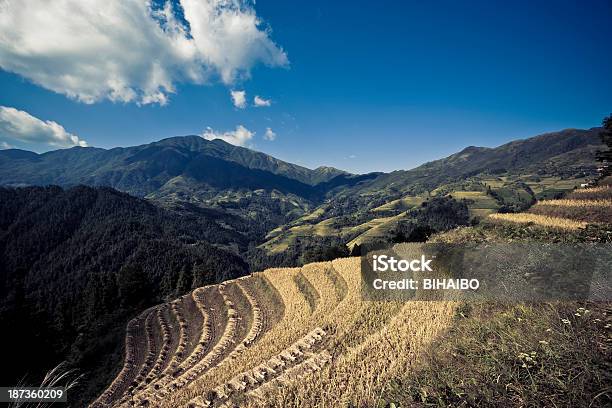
18, 154
472, 150
218, 165
144, 169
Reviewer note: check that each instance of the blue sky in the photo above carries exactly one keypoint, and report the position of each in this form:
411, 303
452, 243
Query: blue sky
370, 86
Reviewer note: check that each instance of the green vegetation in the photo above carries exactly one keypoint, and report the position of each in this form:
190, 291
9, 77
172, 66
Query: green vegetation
332, 347
604, 156
77, 264
438, 214
401, 204
509, 178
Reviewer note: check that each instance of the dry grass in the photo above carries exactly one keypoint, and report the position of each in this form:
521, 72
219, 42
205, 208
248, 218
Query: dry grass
370, 344
195, 357
592, 211
289, 364
59, 376
576, 203
257, 325
339, 309
324, 286
329, 347
226, 340
312, 364
581, 207
199, 360
295, 322
297, 337
151, 347
329, 342
537, 219
359, 376
179, 354
539, 355
481, 212
163, 356
594, 193
377, 228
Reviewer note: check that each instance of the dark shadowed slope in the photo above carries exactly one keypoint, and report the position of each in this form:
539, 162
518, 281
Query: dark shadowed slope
76, 264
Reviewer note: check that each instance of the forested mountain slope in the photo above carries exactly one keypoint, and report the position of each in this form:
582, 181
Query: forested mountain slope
507, 178
209, 174
140, 170
76, 264
271, 192
564, 153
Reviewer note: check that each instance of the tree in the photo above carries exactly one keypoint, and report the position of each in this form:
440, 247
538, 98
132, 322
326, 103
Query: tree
435, 215
185, 280
605, 156
133, 285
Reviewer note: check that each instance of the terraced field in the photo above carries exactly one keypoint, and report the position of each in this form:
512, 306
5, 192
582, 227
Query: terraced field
401, 204
578, 209
298, 336
245, 341
485, 195
550, 186
480, 204
375, 228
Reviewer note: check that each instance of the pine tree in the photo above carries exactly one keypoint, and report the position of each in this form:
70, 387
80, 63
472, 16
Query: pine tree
605, 156
133, 285
185, 280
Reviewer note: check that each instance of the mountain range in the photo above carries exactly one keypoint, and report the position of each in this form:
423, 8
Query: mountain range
141, 170
77, 262
145, 169
270, 192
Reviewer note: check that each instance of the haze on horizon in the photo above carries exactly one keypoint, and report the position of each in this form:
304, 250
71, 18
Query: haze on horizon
352, 85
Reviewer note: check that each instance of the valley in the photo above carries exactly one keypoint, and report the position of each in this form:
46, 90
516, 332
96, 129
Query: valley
272, 204
288, 207
204, 274
306, 337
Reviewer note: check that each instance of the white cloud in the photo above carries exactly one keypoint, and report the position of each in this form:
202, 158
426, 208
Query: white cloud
239, 99
239, 137
22, 127
261, 102
124, 51
269, 135
4, 145
352, 156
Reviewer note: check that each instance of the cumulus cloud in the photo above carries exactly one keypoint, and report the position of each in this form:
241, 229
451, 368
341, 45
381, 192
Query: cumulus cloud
259, 102
269, 135
20, 126
239, 99
239, 137
131, 50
